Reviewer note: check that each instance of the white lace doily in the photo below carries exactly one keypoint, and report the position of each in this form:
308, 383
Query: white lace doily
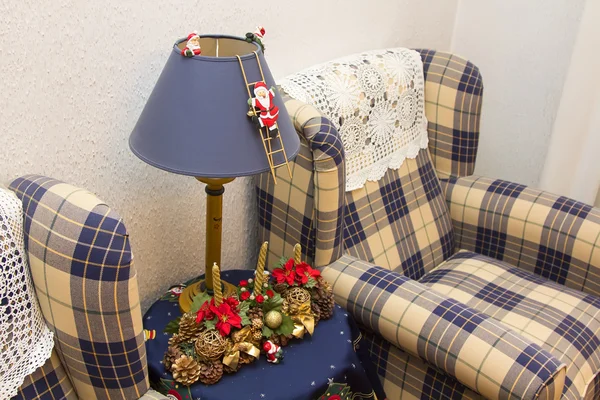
25, 340
376, 100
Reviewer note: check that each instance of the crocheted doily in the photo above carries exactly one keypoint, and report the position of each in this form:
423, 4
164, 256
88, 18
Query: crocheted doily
25, 339
376, 100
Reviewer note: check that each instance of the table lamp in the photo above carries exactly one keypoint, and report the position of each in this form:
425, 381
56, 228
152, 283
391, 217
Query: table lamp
200, 121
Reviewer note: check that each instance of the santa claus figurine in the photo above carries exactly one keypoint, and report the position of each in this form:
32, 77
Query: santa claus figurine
263, 101
274, 352
192, 47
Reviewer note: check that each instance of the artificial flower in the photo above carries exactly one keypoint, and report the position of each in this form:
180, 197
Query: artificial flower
250, 280
204, 312
226, 318
243, 283
286, 273
304, 272
245, 295
233, 302
270, 293
260, 298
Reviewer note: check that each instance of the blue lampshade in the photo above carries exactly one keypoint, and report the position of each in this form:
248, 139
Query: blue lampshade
195, 121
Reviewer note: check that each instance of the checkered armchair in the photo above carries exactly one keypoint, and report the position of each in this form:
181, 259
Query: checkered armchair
464, 286
82, 268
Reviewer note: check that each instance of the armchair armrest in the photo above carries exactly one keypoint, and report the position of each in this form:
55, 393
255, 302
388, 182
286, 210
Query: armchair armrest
477, 350
553, 236
308, 207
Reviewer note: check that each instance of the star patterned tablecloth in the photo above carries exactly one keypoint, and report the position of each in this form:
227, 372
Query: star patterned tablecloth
324, 366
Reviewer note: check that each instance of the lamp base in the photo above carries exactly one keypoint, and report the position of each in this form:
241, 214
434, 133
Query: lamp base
187, 296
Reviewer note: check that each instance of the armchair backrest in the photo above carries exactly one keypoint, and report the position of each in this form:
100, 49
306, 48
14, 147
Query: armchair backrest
82, 268
453, 99
399, 222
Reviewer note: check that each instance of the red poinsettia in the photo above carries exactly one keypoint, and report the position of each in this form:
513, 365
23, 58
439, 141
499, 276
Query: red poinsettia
286, 273
204, 312
245, 295
304, 272
233, 302
226, 318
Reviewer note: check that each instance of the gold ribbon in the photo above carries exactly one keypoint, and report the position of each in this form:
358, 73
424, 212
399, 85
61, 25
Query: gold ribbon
243, 343
304, 321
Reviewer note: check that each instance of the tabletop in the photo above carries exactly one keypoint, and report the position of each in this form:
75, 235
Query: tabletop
324, 366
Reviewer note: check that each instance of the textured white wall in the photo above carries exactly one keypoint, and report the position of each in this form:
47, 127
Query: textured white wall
571, 166
76, 74
523, 49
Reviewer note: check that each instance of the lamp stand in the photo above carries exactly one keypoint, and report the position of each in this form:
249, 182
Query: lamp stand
214, 214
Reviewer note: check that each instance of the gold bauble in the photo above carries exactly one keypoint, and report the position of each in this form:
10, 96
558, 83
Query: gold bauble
273, 319
210, 345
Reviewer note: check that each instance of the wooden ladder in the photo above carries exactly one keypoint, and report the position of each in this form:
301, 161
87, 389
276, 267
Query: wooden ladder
267, 137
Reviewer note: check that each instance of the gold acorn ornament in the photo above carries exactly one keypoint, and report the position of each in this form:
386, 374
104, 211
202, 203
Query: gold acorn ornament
186, 370
273, 319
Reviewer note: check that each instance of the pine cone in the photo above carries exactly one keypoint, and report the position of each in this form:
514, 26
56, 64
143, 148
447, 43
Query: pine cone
255, 313
246, 358
280, 288
316, 311
280, 340
211, 372
172, 354
322, 296
257, 323
186, 370
175, 340
188, 328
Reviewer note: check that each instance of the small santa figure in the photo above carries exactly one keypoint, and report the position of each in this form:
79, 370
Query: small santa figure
192, 47
259, 32
263, 101
274, 352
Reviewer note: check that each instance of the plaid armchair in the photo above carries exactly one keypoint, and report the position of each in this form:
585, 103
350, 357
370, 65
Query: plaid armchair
464, 287
82, 268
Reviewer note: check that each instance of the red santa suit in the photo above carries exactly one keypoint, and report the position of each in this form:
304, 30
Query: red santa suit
263, 100
192, 47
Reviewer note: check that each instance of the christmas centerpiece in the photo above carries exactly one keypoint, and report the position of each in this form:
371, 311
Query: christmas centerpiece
221, 334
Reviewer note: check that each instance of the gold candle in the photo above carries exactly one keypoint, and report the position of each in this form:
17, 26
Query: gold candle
259, 279
297, 253
218, 290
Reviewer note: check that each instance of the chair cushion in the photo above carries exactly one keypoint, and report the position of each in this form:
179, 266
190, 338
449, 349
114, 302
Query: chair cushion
563, 321
400, 222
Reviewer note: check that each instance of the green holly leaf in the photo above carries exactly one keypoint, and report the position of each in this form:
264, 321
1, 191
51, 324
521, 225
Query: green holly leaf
286, 327
274, 303
198, 301
267, 332
245, 320
173, 326
244, 307
210, 324
311, 283
280, 263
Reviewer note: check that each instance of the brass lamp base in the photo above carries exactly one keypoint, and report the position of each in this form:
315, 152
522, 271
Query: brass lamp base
214, 213
187, 296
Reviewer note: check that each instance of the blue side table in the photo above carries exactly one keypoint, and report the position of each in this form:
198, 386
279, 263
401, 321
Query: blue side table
316, 367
